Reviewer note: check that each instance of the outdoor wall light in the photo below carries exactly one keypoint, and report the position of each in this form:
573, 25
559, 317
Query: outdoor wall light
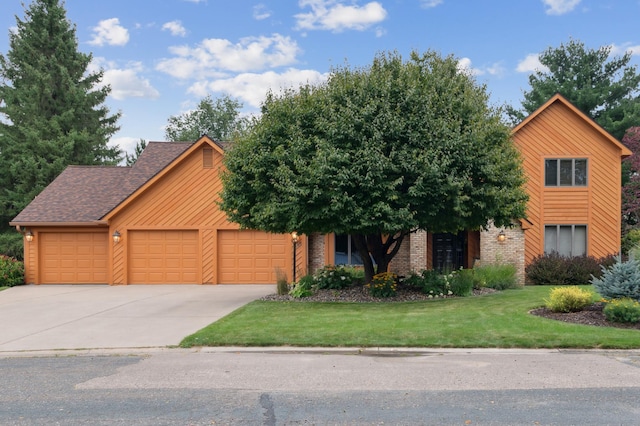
502, 237
29, 236
116, 237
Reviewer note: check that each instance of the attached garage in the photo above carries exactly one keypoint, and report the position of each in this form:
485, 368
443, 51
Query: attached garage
252, 257
73, 257
163, 257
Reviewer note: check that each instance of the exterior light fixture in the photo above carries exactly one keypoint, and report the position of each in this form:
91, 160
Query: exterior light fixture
294, 239
29, 236
502, 237
116, 237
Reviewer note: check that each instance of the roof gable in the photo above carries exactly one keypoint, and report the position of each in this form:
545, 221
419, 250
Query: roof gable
204, 140
85, 194
559, 99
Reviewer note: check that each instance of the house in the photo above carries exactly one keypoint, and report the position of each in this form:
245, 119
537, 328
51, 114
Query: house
159, 222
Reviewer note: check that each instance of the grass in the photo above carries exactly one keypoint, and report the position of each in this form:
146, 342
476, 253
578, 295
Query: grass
499, 320
3, 287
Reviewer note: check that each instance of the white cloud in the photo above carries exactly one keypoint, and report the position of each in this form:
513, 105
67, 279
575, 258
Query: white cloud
464, 65
333, 15
531, 64
251, 88
560, 7
430, 3
109, 31
175, 27
261, 12
126, 82
213, 57
621, 50
127, 144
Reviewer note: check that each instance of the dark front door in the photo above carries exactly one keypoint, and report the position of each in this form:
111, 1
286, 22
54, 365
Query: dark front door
449, 251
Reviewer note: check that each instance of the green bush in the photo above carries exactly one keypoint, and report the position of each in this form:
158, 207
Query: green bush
384, 284
499, 277
630, 241
619, 281
11, 245
552, 268
434, 283
303, 288
461, 282
336, 277
11, 271
568, 299
623, 310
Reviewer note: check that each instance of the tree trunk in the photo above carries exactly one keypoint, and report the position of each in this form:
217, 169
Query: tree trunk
381, 248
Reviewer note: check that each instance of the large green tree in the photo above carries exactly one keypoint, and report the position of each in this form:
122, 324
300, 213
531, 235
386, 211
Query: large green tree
219, 118
603, 87
377, 152
52, 111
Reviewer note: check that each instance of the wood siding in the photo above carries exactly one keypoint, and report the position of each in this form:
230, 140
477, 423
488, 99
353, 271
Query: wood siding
560, 131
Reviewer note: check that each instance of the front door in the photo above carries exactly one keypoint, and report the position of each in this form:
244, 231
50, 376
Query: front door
449, 251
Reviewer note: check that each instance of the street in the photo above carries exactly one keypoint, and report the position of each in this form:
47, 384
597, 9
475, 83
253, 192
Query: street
282, 386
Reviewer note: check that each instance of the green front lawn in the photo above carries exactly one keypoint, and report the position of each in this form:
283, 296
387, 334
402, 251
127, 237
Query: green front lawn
499, 320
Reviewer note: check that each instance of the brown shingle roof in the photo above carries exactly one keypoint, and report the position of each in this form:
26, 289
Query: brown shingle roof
86, 193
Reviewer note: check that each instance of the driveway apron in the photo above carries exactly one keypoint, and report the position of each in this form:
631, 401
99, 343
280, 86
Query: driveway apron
49, 317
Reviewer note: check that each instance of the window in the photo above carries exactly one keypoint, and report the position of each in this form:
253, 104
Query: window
346, 252
566, 240
565, 172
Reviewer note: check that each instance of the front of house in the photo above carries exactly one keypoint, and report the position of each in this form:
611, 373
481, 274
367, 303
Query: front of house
158, 222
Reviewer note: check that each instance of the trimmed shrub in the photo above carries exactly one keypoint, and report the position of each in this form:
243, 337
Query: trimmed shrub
303, 288
384, 284
552, 268
461, 282
11, 271
568, 299
623, 310
630, 241
11, 245
498, 277
619, 281
336, 277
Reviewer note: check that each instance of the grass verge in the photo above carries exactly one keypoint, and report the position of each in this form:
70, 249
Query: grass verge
499, 320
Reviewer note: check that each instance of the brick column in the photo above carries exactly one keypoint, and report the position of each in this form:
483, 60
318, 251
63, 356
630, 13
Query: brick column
509, 251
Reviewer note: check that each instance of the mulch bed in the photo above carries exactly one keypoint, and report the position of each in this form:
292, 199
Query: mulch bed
591, 315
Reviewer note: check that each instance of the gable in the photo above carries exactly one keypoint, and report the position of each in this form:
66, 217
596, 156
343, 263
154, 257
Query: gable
183, 194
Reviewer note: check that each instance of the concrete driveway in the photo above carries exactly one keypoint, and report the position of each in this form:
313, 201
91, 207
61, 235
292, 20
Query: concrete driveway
49, 317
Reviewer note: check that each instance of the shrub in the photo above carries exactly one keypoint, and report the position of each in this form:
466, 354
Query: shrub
568, 299
620, 280
11, 245
303, 288
499, 277
461, 282
623, 310
384, 284
282, 285
552, 268
338, 277
630, 241
11, 271
434, 283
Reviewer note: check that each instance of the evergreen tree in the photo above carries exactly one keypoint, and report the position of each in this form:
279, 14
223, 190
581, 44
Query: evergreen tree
603, 87
130, 160
52, 112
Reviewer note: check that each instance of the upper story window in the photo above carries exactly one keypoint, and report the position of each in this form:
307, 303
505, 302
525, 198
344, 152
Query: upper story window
565, 172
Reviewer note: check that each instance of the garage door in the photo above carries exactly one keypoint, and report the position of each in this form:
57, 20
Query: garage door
73, 257
163, 257
251, 257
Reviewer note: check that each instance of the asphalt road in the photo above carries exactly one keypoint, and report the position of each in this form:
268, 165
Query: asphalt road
289, 387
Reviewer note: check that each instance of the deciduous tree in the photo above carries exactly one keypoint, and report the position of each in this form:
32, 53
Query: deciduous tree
377, 152
219, 118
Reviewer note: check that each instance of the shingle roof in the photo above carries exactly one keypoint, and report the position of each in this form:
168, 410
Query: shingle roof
87, 193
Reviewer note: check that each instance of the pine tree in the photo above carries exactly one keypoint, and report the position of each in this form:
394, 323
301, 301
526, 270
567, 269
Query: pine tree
52, 111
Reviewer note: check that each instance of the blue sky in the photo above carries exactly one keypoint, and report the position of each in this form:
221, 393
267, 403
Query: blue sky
162, 56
